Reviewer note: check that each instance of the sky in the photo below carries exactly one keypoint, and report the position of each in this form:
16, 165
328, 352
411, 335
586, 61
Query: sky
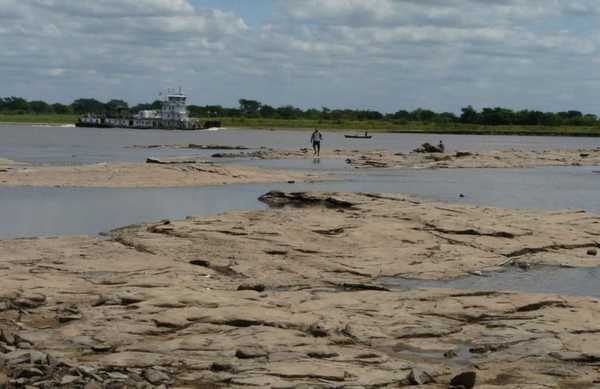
385, 55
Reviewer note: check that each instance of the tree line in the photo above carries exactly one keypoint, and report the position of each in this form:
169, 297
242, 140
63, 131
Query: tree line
255, 109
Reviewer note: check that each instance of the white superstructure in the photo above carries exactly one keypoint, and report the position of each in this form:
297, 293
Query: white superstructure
172, 114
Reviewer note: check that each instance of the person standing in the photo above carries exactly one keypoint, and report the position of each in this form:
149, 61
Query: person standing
315, 139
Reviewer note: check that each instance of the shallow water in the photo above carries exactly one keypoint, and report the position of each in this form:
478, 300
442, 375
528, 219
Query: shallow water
545, 279
27, 211
69, 145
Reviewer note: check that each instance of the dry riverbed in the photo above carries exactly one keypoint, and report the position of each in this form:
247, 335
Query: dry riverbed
171, 173
290, 297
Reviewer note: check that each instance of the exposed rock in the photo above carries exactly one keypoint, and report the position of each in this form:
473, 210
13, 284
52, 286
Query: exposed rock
574, 356
26, 356
170, 162
302, 199
223, 366
69, 379
429, 157
464, 380
156, 377
27, 372
418, 376
32, 300
542, 304
68, 313
255, 287
93, 385
357, 286
251, 352
102, 347
318, 330
322, 354
326, 319
428, 148
7, 337
462, 154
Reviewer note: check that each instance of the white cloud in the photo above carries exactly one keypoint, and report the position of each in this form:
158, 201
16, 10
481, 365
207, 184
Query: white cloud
382, 54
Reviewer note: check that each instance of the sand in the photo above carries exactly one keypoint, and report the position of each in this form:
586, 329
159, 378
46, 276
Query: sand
143, 175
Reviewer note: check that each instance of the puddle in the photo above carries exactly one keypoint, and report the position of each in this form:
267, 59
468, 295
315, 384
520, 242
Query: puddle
542, 279
459, 356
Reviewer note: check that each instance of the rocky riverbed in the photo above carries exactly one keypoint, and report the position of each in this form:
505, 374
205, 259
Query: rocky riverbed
290, 297
175, 172
458, 159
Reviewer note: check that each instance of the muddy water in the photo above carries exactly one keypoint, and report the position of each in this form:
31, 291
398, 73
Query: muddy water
60, 211
68, 145
545, 279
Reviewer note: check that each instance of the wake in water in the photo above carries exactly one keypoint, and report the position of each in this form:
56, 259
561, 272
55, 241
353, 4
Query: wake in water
55, 125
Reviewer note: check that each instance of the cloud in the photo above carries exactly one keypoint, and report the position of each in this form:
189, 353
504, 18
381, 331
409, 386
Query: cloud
135, 38
381, 54
116, 8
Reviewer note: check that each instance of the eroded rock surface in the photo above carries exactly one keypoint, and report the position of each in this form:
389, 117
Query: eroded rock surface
289, 298
459, 159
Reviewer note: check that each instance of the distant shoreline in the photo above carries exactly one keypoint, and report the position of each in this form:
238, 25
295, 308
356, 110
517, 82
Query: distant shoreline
372, 126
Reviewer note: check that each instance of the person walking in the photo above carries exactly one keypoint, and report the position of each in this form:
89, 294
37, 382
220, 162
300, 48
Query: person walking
315, 139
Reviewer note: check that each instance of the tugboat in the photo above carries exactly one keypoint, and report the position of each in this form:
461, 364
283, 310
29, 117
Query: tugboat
173, 115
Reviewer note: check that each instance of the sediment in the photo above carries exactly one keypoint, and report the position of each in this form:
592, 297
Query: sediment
291, 297
155, 173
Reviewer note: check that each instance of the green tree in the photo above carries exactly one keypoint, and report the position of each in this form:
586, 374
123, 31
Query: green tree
39, 107
81, 106
60, 108
249, 107
14, 104
469, 115
266, 111
117, 107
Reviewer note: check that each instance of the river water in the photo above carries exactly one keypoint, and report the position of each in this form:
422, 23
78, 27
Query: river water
28, 211
68, 145
543, 279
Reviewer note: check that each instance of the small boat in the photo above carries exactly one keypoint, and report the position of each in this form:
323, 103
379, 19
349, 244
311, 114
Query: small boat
364, 136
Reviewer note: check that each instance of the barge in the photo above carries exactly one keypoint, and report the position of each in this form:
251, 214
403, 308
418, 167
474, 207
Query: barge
172, 115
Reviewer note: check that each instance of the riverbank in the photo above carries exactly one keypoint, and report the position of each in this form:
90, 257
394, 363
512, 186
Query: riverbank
156, 174
291, 297
374, 126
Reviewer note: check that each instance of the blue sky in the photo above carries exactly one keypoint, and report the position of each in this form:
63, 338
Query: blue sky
373, 54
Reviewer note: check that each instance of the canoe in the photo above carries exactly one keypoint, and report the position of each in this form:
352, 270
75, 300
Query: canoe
358, 136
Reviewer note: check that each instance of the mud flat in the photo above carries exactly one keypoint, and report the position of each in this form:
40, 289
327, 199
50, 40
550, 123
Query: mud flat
7, 164
290, 297
459, 159
157, 173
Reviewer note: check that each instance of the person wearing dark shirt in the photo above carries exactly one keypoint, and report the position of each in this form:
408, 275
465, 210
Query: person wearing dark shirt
315, 139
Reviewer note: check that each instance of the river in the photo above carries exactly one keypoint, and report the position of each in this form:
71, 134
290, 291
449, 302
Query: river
29, 211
